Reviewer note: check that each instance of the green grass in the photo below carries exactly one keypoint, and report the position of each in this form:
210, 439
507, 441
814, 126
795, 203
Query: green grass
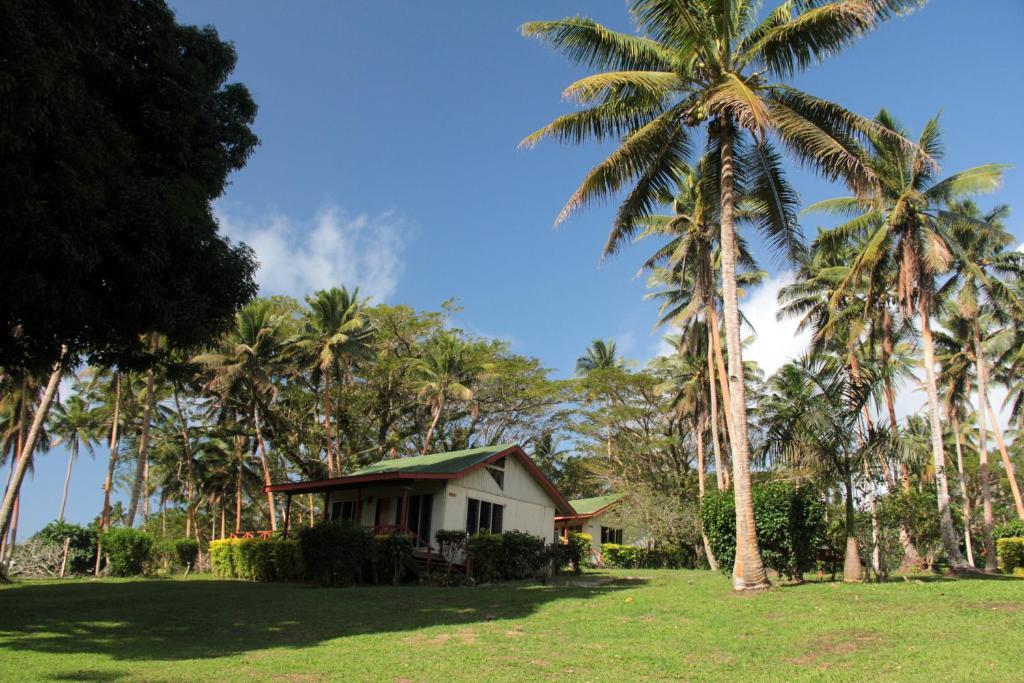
602, 626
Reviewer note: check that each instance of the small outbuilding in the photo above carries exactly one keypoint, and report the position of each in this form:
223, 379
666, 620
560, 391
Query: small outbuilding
597, 517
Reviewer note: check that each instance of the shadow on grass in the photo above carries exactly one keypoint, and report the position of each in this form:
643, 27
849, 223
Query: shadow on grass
165, 620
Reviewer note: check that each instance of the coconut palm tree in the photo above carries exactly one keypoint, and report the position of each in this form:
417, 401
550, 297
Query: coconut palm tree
241, 375
600, 358
908, 224
718, 66
980, 287
335, 333
74, 423
448, 371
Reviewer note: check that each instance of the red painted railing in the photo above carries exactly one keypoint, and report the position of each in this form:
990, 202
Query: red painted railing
253, 534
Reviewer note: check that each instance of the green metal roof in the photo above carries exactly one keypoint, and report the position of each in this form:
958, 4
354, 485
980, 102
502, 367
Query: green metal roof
587, 506
435, 463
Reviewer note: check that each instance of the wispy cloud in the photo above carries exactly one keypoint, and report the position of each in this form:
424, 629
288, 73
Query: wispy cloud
298, 257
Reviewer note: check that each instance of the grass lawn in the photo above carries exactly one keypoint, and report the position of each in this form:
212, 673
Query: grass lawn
623, 625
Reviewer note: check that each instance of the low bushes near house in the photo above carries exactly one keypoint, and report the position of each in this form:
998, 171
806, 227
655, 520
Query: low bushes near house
636, 557
451, 543
582, 545
1010, 553
335, 552
486, 552
525, 556
129, 551
391, 555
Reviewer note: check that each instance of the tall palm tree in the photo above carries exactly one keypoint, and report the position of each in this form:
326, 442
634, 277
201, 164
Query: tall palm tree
74, 424
908, 224
335, 333
241, 375
717, 66
984, 268
448, 371
957, 351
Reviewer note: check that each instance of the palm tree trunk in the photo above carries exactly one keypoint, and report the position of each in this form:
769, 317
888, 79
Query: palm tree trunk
310, 499
327, 425
949, 540
716, 345
716, 446
67, 485
190, 513
890, 394
748, 570
988, 520
963, 490
853, 571
433, 425
876, 528
272, 512
238, 487
1007, 463
712, 561
141, 465
108, 481
24, 456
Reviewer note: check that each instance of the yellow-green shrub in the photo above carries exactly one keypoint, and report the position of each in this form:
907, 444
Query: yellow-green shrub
1010, 552
221, 556
257, 559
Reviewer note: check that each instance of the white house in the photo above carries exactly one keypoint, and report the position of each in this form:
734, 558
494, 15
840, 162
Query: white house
496, 488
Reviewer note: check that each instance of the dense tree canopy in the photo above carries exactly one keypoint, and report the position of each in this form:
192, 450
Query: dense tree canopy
117, 129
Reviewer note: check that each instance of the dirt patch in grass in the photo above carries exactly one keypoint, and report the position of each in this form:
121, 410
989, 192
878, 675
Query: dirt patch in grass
465, 636
1000, 606
820, 652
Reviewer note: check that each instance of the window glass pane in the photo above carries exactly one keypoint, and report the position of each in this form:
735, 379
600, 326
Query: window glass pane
485, 516
423, 525
336, 511
498, 476
497, 512
472, 516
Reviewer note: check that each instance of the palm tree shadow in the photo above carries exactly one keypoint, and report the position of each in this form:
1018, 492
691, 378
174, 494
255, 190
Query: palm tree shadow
196, 619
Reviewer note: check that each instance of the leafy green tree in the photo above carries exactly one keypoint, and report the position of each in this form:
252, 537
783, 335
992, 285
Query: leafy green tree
447, 372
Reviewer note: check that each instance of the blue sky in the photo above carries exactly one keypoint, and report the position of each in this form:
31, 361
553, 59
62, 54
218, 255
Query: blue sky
389, 160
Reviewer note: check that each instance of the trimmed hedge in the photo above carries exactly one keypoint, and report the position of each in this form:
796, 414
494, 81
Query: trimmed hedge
176, 553
257, 559
391, 554
582, 545
790, 525
336, 552
634, 557
486, 552
1010, 551
129, 551
1014, 528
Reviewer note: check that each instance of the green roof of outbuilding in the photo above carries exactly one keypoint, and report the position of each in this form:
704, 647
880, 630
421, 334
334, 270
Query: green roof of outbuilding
435, 463
588, 506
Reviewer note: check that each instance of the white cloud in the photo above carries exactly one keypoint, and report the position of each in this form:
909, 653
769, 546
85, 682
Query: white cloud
334, 249
1021, 247
776, 341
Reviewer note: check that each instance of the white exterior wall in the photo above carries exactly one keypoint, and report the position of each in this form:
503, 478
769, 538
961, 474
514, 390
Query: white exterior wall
528, 507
